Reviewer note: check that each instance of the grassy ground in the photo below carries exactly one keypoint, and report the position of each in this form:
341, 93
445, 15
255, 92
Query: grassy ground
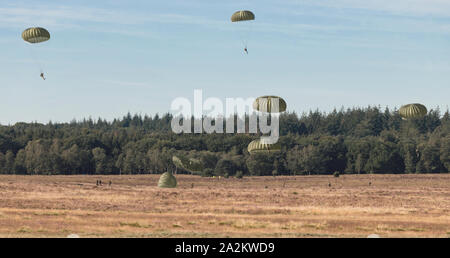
302, 206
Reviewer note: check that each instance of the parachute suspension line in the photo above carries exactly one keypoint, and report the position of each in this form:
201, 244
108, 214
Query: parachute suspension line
248, 32
244, 40
244, 43
35, 59
242, 36
245, 33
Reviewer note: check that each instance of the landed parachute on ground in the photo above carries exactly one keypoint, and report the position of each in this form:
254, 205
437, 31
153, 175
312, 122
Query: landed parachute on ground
267, 103
414, 110
260, 146
35, 35
167, 180
242, 16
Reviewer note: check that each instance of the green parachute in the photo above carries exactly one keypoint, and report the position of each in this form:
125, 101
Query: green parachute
240, 16
414, 110
177, 162
267, 103
167, 180
189, 164
244, 20
35, 35
271, 105
260, 146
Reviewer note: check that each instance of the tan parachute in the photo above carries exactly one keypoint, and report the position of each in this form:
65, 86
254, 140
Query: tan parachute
244, 19
195, 166
189, 164
414, 110
242, 16
260, 146
268, 104
35, 35
177, 162
167, 180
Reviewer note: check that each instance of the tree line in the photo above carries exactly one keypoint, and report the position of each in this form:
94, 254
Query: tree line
357, 140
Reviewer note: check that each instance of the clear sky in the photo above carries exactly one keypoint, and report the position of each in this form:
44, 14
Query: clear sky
107, 58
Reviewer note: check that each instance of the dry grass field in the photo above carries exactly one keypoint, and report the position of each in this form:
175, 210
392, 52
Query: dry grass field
301, 206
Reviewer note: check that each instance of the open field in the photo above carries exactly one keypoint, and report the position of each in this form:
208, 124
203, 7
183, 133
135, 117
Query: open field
301, 206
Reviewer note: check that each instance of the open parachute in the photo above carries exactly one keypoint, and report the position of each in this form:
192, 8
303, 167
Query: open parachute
35, 35
240, 16
244, 20
260, 146
269, 104
414, 110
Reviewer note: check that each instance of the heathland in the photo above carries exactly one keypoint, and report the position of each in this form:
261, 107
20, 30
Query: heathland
285, 206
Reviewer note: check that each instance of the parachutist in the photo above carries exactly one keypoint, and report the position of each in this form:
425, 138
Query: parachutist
243, 16
36, 35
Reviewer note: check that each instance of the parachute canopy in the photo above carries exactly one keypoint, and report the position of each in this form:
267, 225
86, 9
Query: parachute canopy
191, 165
177, 161
195, 165
264, 104
242, 16
414, 110
167, 180
259, 146
35, 35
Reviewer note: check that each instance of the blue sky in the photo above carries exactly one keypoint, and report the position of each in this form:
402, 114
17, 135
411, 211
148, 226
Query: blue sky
107, 58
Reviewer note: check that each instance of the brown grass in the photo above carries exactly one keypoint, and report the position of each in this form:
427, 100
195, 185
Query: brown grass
392, 206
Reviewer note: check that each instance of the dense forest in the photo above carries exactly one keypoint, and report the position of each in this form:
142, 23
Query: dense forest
358, 140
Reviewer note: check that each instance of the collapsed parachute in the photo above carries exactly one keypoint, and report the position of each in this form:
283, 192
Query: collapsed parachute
35, 35
177, 162
191, 165
268, 104
414, 110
